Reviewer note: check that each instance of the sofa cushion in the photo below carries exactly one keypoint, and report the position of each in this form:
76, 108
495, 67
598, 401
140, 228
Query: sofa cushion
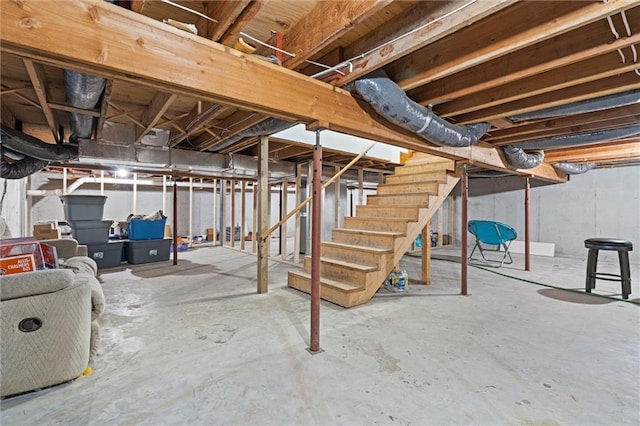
15, 286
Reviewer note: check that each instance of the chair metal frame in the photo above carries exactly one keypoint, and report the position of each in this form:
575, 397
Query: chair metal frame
494, 234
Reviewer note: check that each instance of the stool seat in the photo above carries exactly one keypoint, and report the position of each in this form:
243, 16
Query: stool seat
623, 247
614, 244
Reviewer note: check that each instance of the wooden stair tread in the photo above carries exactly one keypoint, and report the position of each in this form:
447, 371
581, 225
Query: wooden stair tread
343, 286
358, 248
350, 265
369, 232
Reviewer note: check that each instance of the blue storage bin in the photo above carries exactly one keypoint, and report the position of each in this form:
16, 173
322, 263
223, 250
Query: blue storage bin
140, 229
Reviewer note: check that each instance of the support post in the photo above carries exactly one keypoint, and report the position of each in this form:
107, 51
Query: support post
243, 212
101, 182
134, 201
164, 193
256, 234
190, 212
426, 254
527, 226
336, 201
296, 242
283, 212
360, 187
223, 212
263, 214
309, 209
215, 212
175, 221
463, 228
232, 190
316, 230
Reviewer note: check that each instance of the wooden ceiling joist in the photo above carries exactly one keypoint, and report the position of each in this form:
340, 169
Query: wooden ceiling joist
104, 107
562, 50
39, 81
225, 12
159, 104
627, 149
195, 67
475, 47
232, 33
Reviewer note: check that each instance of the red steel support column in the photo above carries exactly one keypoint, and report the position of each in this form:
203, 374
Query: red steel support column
463, 228
527, 225
316, 229
175, 221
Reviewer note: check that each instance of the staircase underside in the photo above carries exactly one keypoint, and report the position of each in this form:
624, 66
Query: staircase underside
360, 256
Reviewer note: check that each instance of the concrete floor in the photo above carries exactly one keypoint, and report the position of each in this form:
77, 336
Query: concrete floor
194, 344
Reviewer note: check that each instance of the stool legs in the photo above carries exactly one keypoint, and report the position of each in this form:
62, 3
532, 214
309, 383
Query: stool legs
592, 261
625, 273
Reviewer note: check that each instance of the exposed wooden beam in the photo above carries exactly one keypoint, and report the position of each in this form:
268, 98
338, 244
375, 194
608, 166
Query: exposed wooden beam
199, 117
7, 117
478, 44
585, 127
138, 5
626, 149
191, 66
594, 89
447, 19
225, 12
326, 22
530, 129
233, 31
7, 91
39, 81
69, 108
582, 43
596, 68
104, 107
159, 104
231, 126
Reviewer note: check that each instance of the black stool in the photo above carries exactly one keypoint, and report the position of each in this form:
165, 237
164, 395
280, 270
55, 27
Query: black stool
623, 248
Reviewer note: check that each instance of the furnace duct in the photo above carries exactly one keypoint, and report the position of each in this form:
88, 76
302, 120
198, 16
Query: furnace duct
392, 103
574, 168
519, 159
83, 91
266, 127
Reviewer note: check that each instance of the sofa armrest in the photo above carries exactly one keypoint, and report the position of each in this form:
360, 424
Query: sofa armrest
82, 250
65, 247
15, 286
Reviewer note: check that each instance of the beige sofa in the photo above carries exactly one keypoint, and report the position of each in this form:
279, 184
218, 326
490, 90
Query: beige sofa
49, 324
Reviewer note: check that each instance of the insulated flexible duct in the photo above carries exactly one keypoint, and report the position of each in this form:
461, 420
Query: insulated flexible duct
391, 102
520, 159
580, 139
266, 127
29, 146
574, 168
83, 91
21, 168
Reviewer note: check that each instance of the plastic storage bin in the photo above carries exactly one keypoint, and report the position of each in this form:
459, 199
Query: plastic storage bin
83, 207
107, 254
91, 231
147, 251
140, 229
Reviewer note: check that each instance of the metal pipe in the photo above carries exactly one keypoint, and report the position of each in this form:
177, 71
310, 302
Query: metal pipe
316, 229
463, 255
135, 194
334, 69
527, 225
164, 193
175, 221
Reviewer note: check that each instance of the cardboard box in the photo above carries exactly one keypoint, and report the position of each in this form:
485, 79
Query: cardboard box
11, 247
46, 234
17, 264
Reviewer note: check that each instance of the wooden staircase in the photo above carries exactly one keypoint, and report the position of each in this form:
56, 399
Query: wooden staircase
361, 255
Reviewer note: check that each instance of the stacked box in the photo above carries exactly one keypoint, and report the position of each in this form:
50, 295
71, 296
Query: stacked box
91, 231
106, 254
141, 229
83, 207
147, 251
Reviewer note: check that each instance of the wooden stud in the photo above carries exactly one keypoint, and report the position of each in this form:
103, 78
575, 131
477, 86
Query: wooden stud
255, 235
263, 215
233, 213
159, 105
284, 192
190, 212
104, 107
215, 212
336, 200
296, 239
39, 81
426, 254
243, 212
360, 187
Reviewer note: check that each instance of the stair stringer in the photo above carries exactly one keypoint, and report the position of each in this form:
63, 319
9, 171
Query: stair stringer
413, 230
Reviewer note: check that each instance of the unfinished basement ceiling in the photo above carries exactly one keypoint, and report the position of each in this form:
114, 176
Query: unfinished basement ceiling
470, 61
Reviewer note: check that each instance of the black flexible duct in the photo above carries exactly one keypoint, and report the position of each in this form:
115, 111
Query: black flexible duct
574, 168
520, 159
83, 91
21, 168
391, 102
29, 146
